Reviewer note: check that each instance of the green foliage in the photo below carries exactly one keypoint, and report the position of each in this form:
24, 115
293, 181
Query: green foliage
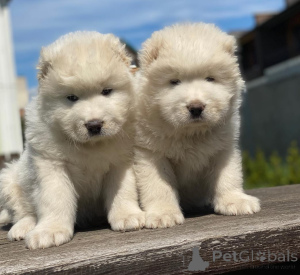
262, 171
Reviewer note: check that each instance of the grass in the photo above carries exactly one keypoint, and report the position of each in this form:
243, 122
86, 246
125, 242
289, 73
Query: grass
263, 171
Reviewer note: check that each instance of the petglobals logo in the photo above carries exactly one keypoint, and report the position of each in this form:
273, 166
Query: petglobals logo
251, 256
197, 263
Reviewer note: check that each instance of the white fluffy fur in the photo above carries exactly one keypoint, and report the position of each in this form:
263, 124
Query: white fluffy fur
64, 175
183, 162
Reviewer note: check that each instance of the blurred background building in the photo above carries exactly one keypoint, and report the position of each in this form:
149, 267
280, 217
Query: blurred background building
270, 62
11, 144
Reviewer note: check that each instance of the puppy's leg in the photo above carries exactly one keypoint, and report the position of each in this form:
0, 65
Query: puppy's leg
121, 200
5, 217
157, 188
229, 197
12, 197
56, 207
17, 208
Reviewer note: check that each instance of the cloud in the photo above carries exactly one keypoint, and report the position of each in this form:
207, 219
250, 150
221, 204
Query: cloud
52, 18
37, 23
32, 92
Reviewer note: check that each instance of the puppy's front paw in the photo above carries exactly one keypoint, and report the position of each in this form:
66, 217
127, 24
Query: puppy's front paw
128, 222
236, 204
44, 237
163, 219
21, 228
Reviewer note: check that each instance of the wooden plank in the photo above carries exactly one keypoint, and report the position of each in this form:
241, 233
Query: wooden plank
169, 251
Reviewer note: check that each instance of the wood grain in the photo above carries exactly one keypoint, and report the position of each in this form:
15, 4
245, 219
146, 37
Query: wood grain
168, 251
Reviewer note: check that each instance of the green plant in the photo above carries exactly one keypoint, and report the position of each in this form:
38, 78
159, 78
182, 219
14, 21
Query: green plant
262, 171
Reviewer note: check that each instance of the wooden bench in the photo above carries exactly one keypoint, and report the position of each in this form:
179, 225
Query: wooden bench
169, 251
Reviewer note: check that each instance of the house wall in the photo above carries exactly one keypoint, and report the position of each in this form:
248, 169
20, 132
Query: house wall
10, 124
271, 109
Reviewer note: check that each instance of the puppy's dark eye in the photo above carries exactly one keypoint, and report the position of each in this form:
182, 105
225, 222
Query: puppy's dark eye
175, 82
210, 79
72, 98
106, 91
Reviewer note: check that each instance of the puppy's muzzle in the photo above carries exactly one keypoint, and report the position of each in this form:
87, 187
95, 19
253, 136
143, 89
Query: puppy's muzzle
94, 127
196, 109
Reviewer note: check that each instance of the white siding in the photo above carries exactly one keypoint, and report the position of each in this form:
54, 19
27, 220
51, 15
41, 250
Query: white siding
10, 125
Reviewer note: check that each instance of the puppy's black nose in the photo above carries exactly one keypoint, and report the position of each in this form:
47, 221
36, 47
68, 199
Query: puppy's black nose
94, 127
196, 109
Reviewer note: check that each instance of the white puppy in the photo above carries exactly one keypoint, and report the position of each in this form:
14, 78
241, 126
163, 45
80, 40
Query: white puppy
188, 125
77, 165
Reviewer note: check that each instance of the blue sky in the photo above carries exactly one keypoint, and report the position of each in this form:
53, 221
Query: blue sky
37, 23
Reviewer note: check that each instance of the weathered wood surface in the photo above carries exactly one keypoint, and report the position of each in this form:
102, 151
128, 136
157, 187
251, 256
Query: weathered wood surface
169, 251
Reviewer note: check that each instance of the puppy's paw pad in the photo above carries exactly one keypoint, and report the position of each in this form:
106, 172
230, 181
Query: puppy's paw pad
44, 238
237, 204
21, 228
163, 220
130, 222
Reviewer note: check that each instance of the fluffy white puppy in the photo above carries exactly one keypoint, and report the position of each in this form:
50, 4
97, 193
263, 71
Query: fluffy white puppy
77, 165
188, 125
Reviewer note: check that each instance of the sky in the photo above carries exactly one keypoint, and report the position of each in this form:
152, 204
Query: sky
37, 23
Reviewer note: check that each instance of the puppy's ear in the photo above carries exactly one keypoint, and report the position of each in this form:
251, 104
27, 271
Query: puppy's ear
230, 44
43, 66
119, 48
150, 50
124, 55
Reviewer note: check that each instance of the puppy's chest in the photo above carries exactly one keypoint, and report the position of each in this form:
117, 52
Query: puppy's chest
192, 157
88, 170
192, 163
